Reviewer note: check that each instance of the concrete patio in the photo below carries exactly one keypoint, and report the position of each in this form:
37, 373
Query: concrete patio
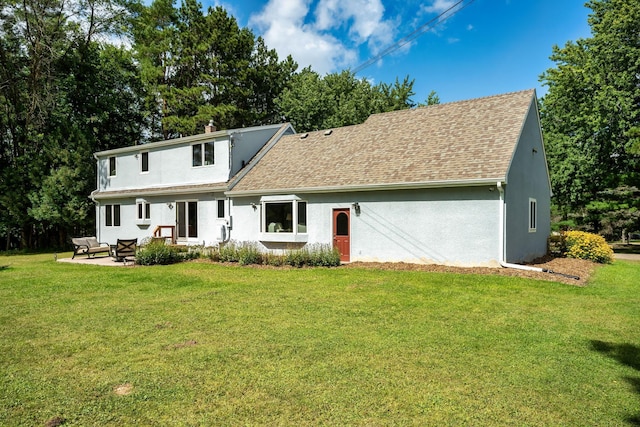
98, 260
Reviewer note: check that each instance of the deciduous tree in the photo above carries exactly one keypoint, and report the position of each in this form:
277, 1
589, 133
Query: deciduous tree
591, 115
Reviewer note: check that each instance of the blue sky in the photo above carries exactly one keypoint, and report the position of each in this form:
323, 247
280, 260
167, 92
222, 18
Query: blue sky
486, 48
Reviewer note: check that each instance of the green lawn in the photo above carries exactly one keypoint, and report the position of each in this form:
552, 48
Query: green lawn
205, 344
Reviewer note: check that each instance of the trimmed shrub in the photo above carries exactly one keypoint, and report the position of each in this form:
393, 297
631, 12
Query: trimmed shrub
249, 253
583, 245
244, 253
156, 252
317, 255
228, 252
269, 258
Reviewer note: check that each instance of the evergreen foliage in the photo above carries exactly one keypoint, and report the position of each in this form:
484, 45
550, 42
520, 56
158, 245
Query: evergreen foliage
80, 77
311, 102
591, 121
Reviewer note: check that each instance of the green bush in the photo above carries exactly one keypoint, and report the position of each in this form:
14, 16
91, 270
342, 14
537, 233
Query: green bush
249, 253
246, 253
582, 245
228, 252
317, 255
274, 260
157, 252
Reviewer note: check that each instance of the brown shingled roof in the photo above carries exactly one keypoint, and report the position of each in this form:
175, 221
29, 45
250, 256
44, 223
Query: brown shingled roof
456, 142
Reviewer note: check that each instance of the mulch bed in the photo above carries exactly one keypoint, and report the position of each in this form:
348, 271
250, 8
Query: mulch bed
575, 267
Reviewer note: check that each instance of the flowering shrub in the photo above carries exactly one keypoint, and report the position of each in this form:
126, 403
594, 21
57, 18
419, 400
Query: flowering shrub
246, 253
582, 245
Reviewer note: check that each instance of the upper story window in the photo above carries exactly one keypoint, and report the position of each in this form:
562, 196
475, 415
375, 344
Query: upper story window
202, 154
144, 162
533, 215
112, 166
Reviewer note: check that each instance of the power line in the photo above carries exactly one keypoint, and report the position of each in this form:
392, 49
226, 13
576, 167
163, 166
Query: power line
451, 11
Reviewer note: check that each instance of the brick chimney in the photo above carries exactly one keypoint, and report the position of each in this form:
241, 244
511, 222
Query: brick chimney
210, 128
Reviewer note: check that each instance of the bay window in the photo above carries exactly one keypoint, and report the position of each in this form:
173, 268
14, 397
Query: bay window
284, 216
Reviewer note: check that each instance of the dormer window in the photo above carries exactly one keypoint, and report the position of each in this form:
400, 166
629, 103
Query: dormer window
202, 154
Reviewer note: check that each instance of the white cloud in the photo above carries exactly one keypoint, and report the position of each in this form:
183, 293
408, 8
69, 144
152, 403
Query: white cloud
327, 37
439, 6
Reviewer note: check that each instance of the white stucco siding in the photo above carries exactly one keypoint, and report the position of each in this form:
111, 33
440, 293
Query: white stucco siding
427, 230
247, 144
168, 166
445, 226
163, 212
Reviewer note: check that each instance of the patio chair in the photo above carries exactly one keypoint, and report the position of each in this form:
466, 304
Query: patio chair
125, 250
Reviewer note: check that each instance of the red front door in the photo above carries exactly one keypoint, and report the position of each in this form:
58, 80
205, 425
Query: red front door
341, 231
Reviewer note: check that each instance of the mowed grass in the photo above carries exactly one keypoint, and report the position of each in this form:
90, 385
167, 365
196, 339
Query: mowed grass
205, 344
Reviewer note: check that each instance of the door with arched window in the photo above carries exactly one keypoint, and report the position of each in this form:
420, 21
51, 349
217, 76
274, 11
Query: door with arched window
341, 233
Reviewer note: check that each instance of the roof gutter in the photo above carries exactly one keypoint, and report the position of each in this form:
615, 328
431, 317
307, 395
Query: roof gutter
366, 187
158, 191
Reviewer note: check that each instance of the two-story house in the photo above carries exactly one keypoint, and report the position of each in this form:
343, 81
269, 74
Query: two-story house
174, 188
463, 183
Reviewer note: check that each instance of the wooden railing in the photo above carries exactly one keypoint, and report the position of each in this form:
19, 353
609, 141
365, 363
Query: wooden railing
160, 232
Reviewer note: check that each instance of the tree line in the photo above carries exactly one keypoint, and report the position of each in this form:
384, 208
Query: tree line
591, 123
82, 76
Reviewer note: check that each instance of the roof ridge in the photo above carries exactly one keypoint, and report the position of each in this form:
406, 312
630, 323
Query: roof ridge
461, 101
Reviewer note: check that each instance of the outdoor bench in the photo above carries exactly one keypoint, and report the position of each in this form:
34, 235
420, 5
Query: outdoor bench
89, 246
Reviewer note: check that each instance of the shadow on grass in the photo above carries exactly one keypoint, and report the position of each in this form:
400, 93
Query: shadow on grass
625, 354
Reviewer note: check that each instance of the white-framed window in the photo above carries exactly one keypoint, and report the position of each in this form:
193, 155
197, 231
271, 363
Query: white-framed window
202, 154
284, 216
112, 166
533, 215
112, 215
220, 208
143, 209
144, 162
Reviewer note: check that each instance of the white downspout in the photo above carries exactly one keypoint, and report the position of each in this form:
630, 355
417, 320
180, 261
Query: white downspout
502, 236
